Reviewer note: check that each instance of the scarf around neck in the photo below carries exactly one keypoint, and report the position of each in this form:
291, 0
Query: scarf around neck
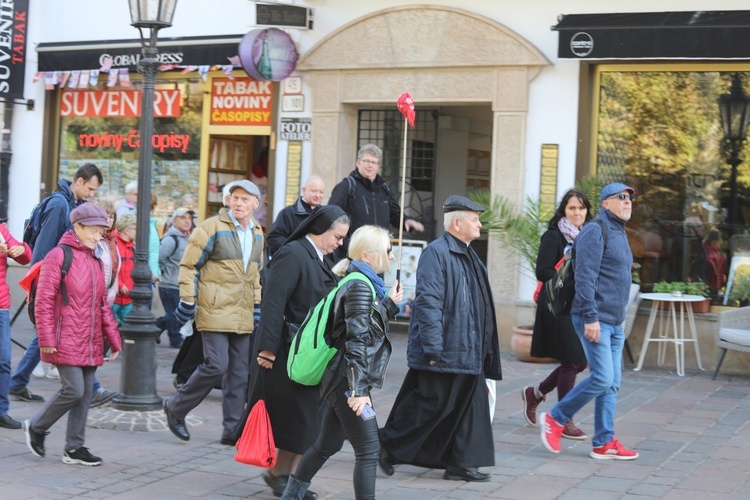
377, 281
568, 230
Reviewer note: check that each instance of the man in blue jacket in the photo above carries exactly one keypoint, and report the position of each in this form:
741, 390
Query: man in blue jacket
602, 286
441, 416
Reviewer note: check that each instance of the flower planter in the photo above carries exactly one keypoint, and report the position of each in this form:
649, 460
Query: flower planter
701, 307
520, 342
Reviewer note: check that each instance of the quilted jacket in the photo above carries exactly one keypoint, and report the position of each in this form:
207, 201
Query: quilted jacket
24, 258
77, 330
212, 275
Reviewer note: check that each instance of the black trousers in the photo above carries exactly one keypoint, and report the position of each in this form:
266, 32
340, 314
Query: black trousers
339, 422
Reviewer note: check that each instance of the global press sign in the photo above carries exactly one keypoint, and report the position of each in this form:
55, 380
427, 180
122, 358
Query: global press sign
268, 54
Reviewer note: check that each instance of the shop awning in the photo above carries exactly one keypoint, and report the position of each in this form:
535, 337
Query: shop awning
655, 35
66, 56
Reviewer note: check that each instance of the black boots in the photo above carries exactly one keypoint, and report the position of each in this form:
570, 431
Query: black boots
295, 490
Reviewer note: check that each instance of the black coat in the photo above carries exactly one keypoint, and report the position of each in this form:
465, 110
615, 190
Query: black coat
554, 337
297, 280
366, 202
286, 222
447, 325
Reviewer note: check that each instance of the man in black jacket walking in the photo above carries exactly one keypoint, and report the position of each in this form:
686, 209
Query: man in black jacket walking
365, 196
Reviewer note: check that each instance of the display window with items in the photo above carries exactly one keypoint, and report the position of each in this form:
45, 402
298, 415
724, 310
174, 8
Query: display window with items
658, 129
101, 126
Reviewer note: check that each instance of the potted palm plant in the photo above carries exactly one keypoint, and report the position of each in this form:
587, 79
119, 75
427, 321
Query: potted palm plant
519, 231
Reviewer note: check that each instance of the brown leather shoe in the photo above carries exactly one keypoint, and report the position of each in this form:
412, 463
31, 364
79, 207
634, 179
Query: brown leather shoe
573, 432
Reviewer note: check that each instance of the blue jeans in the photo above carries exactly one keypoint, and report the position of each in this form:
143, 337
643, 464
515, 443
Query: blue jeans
602, 384
28, 362
4, 360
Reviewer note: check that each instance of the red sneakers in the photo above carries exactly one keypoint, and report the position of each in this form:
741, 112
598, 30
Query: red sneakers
614, 450
530, 403
551, 432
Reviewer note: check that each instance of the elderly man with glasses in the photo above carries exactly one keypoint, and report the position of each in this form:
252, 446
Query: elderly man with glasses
602, 267
365, 196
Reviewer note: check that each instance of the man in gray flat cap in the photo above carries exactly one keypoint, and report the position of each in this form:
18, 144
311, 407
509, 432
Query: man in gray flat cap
441, 417
220, 273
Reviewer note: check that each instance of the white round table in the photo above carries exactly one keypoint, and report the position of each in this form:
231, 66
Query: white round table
676, 303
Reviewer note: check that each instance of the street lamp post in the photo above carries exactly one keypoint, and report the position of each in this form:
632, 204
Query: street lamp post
139, 333
734, 108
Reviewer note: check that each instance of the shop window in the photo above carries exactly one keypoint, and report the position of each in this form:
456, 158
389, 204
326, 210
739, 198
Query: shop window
659, 131
385, 128
101, 126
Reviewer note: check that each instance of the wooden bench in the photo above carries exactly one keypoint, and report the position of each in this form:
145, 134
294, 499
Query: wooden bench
732, 332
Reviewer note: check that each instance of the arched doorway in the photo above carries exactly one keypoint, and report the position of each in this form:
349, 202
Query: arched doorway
450, 60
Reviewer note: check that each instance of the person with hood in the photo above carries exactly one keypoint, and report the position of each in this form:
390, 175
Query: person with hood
55, 221
73, 320
299, 276
173, 245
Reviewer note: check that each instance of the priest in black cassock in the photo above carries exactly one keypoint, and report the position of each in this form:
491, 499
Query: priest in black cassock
441, 417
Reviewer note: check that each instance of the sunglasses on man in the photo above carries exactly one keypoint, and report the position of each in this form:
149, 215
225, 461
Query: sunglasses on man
623, 196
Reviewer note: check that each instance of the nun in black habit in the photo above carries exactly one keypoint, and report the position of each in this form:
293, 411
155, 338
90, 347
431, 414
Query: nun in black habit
299, 276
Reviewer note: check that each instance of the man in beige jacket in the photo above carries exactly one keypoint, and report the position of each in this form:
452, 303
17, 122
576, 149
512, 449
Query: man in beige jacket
220, 274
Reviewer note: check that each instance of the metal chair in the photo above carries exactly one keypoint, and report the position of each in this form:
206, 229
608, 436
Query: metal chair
732, 332
631, 311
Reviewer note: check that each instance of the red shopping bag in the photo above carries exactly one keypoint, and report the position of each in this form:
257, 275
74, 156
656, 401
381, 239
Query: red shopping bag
256, 445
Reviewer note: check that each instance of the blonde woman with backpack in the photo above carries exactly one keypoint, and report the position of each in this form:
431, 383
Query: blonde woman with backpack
360, 330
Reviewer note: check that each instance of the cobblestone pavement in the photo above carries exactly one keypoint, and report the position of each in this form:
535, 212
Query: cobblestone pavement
692, 433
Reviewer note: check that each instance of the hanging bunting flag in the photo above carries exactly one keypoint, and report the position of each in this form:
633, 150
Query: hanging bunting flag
74, 76
168, 67
228, 71
37, 76
235, 60
49, 80
106, 64
406, 107
93, 77
83, 82
203, 71
65, 77
112, 78
125, 78
188, 69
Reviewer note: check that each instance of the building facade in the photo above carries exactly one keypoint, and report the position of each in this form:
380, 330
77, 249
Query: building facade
504, 102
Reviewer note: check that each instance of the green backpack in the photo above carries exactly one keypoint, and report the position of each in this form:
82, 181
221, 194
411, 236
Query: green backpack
310, 354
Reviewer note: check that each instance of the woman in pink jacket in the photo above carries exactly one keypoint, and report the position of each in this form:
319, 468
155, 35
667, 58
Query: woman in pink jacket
72, 320
21, 253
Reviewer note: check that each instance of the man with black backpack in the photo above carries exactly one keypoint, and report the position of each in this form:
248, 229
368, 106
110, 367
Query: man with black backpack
602, 267
48, 222
365, 196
